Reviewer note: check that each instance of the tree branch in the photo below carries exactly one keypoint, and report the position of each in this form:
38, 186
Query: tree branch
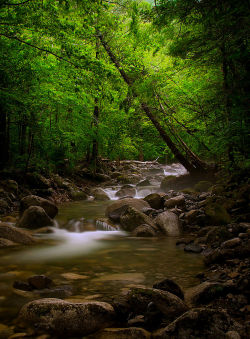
41, 49
17, 4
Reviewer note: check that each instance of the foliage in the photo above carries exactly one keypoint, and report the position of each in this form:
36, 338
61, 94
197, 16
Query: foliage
186, 59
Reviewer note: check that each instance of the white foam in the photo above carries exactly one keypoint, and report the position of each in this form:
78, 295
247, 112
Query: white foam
70, 244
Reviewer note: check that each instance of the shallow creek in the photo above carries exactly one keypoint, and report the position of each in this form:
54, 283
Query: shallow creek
98, 263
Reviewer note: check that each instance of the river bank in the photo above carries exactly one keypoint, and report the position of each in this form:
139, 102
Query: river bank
212, 223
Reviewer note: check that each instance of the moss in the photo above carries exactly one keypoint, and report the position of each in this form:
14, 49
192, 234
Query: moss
202, 186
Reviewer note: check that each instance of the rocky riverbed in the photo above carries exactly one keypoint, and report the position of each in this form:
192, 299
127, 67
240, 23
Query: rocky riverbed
208, 218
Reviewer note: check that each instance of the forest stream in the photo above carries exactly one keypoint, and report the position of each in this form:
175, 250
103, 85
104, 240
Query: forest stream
88, 260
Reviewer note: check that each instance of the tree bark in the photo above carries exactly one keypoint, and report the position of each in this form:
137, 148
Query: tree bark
189, 165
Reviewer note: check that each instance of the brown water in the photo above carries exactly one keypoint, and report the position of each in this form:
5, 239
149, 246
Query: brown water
98, 264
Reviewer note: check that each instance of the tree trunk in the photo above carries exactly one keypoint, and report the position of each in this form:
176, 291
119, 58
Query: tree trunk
4, 144
189, 165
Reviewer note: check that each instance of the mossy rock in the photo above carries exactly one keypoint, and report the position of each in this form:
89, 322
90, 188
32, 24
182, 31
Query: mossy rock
217, 214
78, 195
202, 186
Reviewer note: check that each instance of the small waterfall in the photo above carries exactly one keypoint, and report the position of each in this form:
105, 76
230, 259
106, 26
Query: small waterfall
111, 192
175, 170
103, 226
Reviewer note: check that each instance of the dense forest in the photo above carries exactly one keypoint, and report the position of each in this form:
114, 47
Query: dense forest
124, 79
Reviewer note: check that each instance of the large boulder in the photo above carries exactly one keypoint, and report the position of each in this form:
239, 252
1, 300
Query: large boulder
33, 200
126, 192
67, 319
16, 235
197, 323
34, 217
168, 305
115, 210
169, 223
144, 231
78, 195
131, 218
99, 194
155, 200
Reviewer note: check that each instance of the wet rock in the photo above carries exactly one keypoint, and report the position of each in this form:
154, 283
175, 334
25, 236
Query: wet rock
144, 231
231, 243
126, 192
167, 305
99, 194
67, 319
39, 282
33, 200
145, 182
197, 323
155, 200
217, 214
122, 333
190, 216
178, 201
6, 243
168, 223
115, 210
77, 195
204, 293
34, 217
16, 235
131, 218
169, 286
193, 248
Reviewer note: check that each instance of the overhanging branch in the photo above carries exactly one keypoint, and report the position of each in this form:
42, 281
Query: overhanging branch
41, 49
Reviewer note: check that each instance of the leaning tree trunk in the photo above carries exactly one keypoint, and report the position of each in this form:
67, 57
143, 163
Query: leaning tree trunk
191, 166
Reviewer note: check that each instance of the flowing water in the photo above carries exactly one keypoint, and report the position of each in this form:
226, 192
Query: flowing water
98, 262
